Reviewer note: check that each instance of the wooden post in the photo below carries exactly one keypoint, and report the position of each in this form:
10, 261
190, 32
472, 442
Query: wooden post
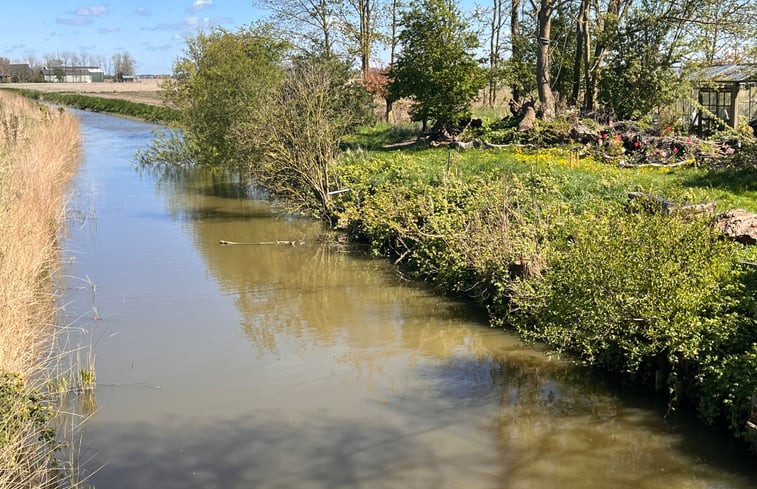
735, 105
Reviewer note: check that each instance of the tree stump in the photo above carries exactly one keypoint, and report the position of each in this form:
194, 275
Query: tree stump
527, 123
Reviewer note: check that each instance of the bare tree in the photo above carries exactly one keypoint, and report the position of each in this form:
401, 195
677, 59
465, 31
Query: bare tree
498, 17
123, 65
359, 24
52, 60
310, 22
85, 59
32, 61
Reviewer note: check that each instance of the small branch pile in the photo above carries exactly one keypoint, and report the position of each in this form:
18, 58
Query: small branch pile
632, 147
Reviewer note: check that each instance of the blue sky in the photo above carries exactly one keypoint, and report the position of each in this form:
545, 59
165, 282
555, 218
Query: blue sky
152, 31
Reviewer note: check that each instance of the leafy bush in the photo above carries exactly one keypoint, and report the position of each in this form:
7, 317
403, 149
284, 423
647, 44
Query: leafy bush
555, 251
20, 407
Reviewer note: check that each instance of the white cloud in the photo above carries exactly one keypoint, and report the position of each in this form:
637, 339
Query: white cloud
160, 47
108, 30
94, 11
196, 21
144, 12
202, 4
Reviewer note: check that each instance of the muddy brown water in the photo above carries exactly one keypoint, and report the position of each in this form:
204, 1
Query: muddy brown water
316, 366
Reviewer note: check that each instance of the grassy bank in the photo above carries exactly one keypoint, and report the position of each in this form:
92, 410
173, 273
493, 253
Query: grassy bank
126, 108
39, 151
554, 249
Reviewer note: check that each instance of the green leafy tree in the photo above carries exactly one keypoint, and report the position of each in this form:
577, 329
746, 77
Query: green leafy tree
640, 74
226, 80
436, 65
518, 71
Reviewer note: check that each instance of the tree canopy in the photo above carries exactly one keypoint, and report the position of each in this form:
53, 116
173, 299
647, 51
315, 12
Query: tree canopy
436, 65
225, 79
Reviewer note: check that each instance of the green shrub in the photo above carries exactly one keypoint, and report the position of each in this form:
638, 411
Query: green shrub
639, 292
555, 250
21, 407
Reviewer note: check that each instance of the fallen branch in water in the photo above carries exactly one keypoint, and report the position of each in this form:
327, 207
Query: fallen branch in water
260, 243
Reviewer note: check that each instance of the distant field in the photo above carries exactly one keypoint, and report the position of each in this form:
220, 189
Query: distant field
142, 91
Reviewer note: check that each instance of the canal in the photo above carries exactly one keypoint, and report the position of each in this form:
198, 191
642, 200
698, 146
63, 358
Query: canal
316, 366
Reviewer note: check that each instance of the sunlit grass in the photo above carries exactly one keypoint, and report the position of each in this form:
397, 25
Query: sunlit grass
728, 188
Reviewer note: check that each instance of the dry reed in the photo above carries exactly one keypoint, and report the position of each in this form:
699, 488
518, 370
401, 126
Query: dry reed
39, 152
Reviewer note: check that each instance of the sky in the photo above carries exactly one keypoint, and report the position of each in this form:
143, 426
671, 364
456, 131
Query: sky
152, 31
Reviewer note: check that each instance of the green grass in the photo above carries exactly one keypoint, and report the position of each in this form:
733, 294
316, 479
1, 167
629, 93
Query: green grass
377, 136
146, 112
586, 179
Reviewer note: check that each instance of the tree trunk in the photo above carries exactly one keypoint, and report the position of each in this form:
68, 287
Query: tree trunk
515, 42
494, 48
543, 82
323, 17
394, 34
582, 33
593, 66
365, 37
389, 111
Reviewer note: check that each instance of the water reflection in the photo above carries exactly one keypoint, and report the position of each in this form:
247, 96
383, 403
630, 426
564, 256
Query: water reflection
555, 425
314, 366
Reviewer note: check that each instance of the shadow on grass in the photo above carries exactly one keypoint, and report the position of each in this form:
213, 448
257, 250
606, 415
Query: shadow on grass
385, 137
733, 180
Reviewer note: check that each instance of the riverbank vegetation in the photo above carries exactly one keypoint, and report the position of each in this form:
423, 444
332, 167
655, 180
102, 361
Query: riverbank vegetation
527, 214
556, 250
39, 152
125, 108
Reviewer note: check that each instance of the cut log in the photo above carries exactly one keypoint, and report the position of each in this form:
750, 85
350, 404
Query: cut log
671, 208
582, 133
751, 424
486, 145
623, 164
739, 225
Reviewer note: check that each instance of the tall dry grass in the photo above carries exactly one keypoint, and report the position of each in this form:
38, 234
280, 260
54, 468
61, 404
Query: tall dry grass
39, 152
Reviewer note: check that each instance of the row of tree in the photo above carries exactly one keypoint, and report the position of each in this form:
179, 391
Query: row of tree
625, 55
274, 99
117, 65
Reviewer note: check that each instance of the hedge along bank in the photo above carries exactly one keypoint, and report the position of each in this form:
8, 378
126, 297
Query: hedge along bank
555, 250
125, 108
